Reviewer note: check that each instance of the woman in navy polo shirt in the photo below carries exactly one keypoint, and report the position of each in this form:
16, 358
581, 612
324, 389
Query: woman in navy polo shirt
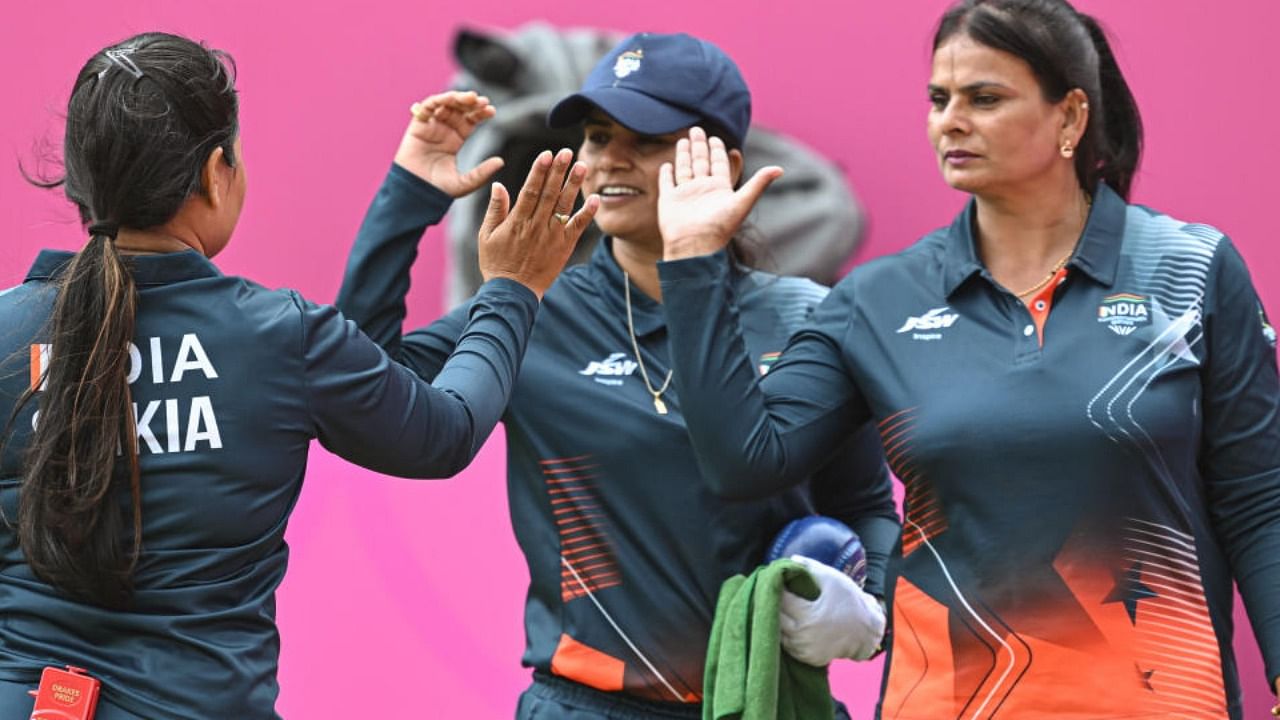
159, 413
1078, 394
626, 546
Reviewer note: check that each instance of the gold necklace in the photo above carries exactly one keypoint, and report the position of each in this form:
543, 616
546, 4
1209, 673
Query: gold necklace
1058, 266
1088, 204
658, 405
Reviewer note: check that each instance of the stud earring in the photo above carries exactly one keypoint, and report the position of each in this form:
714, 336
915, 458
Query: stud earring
1066, 150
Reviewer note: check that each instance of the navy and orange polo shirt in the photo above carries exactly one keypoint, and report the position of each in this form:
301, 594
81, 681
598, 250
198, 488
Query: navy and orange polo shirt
1079, 498
626, 544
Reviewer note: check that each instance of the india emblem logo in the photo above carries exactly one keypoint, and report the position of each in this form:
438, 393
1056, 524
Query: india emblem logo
628, 62
1124, 313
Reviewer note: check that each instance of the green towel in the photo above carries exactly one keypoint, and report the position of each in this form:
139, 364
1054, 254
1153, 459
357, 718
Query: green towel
748, 676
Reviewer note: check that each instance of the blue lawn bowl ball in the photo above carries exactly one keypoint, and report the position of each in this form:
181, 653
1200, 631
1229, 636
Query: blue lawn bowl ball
824, 539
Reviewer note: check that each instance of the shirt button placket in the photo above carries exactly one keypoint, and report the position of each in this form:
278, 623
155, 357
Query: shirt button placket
1027, 340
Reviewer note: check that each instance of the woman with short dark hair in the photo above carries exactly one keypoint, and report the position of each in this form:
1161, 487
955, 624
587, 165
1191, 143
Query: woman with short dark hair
159, 413
1079, 395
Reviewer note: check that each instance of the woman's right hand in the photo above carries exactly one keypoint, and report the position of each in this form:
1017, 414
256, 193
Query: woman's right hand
531, 241
437, 130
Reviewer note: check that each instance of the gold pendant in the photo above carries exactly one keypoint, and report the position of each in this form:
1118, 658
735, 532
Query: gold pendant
660, 406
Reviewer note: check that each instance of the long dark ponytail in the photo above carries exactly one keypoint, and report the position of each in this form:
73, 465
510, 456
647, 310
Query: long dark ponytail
1066, 49
143, 119
70, 522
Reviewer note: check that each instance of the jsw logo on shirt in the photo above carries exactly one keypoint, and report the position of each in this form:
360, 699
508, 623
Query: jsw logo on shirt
935, 319
611, 369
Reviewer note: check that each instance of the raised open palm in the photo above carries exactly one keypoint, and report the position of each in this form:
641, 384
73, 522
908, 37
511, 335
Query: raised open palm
698, 209
437, 130
531, 241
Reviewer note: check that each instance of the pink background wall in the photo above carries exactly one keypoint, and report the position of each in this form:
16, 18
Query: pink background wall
424, 581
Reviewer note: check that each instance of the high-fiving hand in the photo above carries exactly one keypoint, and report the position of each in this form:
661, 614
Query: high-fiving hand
531, 242
698, 209
438, 128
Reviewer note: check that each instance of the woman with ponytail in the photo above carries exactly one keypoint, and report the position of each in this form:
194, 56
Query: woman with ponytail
159, 419
1079, 395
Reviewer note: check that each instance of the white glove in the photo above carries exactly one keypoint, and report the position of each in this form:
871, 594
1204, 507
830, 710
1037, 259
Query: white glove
842, 622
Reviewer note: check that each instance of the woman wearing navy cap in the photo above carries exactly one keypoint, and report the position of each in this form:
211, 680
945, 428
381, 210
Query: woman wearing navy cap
626, 546
158, 414
1079, 394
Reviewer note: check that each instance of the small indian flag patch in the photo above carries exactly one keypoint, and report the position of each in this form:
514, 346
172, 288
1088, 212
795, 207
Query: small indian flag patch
767, 360
1268, 332
39, 366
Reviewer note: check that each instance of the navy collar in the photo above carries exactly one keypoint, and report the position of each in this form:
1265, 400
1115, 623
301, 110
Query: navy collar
645, 311
146, 269
1097, 255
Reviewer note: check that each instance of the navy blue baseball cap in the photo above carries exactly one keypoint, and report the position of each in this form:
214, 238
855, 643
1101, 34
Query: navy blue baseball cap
656, 84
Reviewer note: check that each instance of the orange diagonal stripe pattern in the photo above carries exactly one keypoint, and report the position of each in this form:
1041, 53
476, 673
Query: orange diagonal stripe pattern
589, 560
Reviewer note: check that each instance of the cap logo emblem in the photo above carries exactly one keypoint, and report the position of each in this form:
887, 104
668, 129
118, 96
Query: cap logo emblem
628, 62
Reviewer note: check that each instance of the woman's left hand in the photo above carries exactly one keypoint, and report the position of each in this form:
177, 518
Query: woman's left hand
698, 209
1276, 710
439, 127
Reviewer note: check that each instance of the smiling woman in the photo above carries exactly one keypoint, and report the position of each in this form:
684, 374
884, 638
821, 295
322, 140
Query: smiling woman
626, 548
622, 168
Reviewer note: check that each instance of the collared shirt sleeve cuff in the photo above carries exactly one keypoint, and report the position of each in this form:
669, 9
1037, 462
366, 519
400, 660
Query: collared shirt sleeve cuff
695, 270
417, 191
508, 288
